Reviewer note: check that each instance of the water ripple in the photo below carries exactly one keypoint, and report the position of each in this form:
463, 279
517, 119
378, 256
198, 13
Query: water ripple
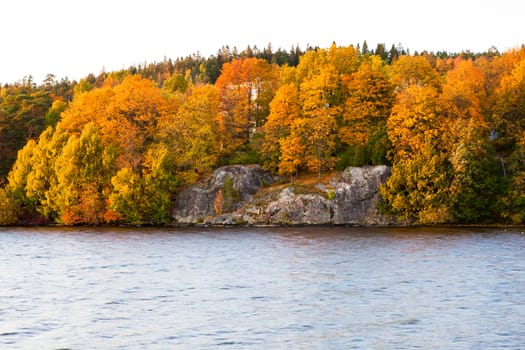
300, 288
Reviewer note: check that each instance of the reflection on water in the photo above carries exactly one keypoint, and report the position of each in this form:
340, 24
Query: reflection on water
278, 288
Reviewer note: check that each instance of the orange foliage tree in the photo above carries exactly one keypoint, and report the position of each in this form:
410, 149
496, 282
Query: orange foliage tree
366, 110
246, 87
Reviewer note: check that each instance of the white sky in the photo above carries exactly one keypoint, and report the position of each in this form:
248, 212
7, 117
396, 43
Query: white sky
76, 37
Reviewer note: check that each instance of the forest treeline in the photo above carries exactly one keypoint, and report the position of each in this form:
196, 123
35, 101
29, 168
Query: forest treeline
118, 147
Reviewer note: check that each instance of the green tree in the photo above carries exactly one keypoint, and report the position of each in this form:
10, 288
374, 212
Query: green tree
474, 184
176, 83
230, 195
512, 201
22, 117
53, 114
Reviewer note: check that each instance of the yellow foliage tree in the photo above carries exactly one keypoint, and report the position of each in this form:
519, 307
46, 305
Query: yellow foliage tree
78, 195
191, 132
284, 110
413, 70
291, 158
316, 128
414, 121
127, 197
418, 187
369, 103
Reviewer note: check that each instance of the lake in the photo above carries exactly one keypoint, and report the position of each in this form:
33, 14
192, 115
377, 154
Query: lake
262, 288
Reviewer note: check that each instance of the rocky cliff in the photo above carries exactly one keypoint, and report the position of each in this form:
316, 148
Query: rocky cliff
242, 194
227, 190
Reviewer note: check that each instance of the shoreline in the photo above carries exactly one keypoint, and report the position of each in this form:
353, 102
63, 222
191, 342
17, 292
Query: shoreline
198, 226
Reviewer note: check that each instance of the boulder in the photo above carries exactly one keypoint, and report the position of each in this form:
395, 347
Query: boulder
357, 194
199, 201
299, 209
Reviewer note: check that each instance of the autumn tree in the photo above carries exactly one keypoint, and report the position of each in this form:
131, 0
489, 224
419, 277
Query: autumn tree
17, 179
366, 110
86, 107
443, 167
496, 66
508, 121
474, 183
191, 132
42, 177
345, 59
508, 118
318, 123
413, 70
302, 127
414, 121
145, 197
464, 95
8, 209
418, 188
126, 115
83, 170
23, 110
312, 141
291, 158
284, 111
419, 185
246, 87
134, 113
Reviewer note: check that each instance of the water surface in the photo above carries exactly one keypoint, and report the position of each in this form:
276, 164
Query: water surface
274, 288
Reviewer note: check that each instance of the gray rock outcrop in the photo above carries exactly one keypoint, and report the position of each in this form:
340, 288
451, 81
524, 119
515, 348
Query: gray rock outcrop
350, 198
357, 194
299, 209
199, 201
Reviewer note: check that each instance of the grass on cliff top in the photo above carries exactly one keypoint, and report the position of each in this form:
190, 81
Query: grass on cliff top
311, 179
305, 183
